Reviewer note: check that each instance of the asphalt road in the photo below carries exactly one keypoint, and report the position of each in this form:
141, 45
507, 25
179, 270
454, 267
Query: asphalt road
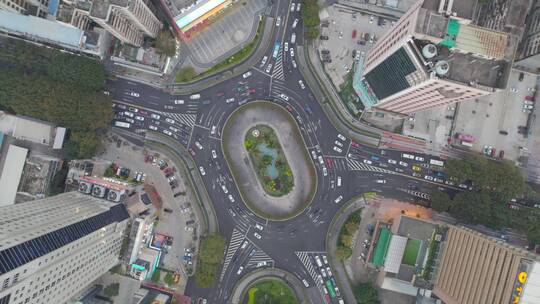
348, 169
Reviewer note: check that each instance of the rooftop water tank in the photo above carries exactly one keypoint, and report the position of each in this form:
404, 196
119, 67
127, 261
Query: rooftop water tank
429, 51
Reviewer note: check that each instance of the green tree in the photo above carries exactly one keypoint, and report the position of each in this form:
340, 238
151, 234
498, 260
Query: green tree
533, 231
346, 240
310, 17
366, 293
472, 207
343, 252
351, 227
165, 43
156, 276
440, 201
267, 160
209, 259
169, 278
112, 290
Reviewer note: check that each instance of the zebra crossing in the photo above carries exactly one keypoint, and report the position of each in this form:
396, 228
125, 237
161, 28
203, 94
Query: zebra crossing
358, 166
241, 220
236, 240
186, 119
259, 256
277, 73
416, 193
303, 256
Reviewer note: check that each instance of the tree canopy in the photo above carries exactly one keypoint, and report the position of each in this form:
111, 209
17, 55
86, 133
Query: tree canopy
57, 87
165, 43
310, 17
209, 259
365, 293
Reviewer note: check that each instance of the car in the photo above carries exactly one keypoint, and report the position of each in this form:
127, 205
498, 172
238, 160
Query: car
198, 145
404, 164
214, 154
320, 159
262, 264
416, 174
293, 62
306, 284
339, 181
167, 132
269, 68
168, 210
337, 149
408, 156
152, 128
338, 143
298, 7
293, 7
318, 261
259, 226
134, 94
380, 181
256, 235
367, 162
284, 97
328, 271
419, 158
341, 137
324, 37
240, 269
231, 198
247, 74
314, 154
173, 129
278, 21
416, 168
263, 61
224, 188
178, 101
528, 106
231, 212
371, 18
438, 180
338, 199
195, 96
188, 229
295, 22
429, 178
155, 116
323, 273
286, 46
129, 114
170, 120
244, 244
292, 52
252, 91
324, 171
514, 90
391, 161
399, 170
325, 260
170, 179
229, 100
191, 151
301, 83
201, 169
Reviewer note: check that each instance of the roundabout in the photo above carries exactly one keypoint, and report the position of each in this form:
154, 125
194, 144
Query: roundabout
266, 154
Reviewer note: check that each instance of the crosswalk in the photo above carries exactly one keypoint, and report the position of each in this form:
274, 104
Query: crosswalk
416, 193
277, 73
358, 166
303, 256
236, 240
260, 256
242, 220
186, 119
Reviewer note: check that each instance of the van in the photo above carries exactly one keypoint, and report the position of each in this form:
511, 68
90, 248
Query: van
293, 38
409, 156
195, 96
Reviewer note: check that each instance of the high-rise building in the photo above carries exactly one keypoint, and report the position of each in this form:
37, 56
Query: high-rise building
38, 8
529, 49
477, 269
52, 249
434, 55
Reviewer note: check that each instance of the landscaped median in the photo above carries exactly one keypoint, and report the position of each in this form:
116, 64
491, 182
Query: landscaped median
269, 161
347, 234
271, 291
208, 260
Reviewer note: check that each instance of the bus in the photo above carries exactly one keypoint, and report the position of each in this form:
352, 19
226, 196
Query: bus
122, 124
436, 162
330, 288
276, 49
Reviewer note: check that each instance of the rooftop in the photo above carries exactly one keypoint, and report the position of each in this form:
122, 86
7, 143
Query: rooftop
11, 174
100, 8
462, 8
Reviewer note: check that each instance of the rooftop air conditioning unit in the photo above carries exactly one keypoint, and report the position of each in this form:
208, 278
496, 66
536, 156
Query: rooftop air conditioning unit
114, 195
98, 191
85, 187
442, 67
429, 51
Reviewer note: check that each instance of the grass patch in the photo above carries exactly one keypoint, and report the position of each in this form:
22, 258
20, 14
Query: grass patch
346, 234
411, 252
270, 292
268, 159
209, 258
236, 58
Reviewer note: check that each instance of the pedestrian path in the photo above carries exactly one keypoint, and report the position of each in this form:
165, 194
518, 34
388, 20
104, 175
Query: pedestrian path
236, 240
277, 73
186, 119
359, 166
310, 267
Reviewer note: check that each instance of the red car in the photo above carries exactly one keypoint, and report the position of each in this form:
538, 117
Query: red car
289, 108
252, 91
329, 162
220, 94
353, 34
355, 144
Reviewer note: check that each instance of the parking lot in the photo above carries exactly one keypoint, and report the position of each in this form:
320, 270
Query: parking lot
227, 34
347, 31
498, 120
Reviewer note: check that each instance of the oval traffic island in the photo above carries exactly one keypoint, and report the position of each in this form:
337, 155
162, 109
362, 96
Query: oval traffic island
269, 161
267, 158
271, 290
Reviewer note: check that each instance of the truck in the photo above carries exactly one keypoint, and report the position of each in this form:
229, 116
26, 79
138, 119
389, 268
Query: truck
122, 124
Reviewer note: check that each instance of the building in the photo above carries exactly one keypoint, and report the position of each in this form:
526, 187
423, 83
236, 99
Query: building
11, 174
434, 55
127, 20
52, 249
477, 269
189, 19
529, 49
37, 8
31, 129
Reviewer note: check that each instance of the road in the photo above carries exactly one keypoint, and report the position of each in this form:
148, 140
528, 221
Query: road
346, 169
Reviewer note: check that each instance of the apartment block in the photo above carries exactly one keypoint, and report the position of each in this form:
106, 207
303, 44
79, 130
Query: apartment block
529, 49
38, 8
433, 56
51, 250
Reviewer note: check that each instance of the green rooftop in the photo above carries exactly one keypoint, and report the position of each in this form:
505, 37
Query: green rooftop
382, 247
452, 30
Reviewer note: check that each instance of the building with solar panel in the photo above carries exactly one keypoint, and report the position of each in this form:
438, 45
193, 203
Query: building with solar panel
434, 55
52, 249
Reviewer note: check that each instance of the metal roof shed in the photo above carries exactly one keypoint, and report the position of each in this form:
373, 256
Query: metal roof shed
11, 174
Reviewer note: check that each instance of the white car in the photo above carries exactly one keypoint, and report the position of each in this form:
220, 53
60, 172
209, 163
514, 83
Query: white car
155, 116
328, 271
259, 226
195, 96
294, 63
298, 7
134, 94
338, 199
224, 189
339, 181
213, 130
429, 178
286, 46
167, 132
321, 160
202, 170
231, 198
323, 273
368, 162
244, 245
247, 74
301, 83
178, 101
293, 38
404, 164
318, 261
325, 260
338, 143
170, 120
240, 270
278, 21
419, 158
229, 100
139, 118
292, 7
258, 236
314, 154
338, 150
284, 97
198, 145
409, 156
214, 154
391, 161
324, 171
173, 129
263, 61
152, 127
341, 137
380, 181
262, 264
292, 52
268, 68
295, 22
129, 114
130, 120
306, 284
